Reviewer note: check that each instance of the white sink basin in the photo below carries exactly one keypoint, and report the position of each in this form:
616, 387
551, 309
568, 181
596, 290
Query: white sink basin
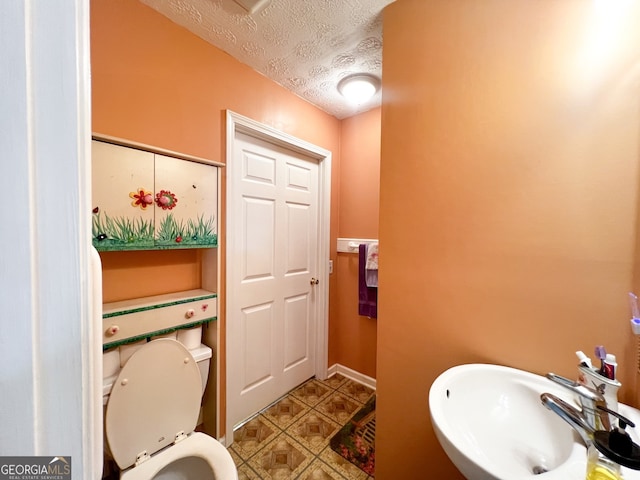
491, 423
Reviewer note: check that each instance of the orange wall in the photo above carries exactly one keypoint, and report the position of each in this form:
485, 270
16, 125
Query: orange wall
509, 193
360, 175
154, 82
353, 338
129, 275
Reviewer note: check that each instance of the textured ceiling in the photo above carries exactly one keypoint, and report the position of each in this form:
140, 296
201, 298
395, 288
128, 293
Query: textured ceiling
306, 46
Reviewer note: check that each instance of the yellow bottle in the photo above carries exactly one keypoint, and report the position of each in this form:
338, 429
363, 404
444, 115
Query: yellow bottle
611, 449
600, 467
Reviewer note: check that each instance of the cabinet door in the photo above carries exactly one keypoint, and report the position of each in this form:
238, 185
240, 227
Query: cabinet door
186, 196
122, 196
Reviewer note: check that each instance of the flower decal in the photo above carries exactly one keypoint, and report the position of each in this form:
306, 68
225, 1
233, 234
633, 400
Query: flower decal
166, 200
141, 198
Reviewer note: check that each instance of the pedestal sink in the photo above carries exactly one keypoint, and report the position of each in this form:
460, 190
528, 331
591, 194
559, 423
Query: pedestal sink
491, 423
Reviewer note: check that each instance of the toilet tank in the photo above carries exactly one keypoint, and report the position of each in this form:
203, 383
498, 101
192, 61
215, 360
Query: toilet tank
202, 355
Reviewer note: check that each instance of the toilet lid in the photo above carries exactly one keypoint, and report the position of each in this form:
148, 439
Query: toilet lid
156, 395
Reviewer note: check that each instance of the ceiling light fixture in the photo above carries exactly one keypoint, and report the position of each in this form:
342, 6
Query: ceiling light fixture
359, 87
252, 6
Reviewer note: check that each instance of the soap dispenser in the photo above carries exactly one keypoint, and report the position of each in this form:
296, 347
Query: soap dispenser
609, 450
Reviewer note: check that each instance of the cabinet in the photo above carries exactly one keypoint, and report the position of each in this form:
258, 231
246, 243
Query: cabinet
148, 198
144, 200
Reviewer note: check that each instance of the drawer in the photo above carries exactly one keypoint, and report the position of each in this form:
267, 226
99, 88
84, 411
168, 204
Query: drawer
138, 318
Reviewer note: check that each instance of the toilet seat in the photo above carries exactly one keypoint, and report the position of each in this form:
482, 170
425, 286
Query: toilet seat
155, 400
220, 463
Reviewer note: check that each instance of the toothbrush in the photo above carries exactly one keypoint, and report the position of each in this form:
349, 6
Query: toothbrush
635, 313
601, 353
633, 303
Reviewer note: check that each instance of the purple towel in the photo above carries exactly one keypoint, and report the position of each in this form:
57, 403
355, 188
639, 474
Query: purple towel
367, 296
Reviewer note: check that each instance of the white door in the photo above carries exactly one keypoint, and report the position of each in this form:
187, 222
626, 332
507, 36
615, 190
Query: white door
272, 274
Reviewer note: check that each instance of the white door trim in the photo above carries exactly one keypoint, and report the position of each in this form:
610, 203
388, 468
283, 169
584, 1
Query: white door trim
50, 355
242, 124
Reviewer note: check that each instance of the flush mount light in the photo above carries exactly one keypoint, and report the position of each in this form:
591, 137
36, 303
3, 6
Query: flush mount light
252, 6
359, 88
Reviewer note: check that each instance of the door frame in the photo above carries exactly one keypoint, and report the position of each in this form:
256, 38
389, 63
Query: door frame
237, 123
51, 301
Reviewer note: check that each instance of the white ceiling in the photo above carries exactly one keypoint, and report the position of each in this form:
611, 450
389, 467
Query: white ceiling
306, 46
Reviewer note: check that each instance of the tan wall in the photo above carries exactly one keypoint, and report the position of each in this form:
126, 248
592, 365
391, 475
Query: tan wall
509, 193
352, 337
155, 83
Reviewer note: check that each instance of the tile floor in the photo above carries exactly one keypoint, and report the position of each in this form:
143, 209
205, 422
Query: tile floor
290, 439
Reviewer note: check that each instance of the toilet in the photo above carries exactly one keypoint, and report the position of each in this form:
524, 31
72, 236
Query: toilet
151, 413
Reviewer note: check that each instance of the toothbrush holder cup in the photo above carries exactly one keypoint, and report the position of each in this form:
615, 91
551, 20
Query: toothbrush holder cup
607, 387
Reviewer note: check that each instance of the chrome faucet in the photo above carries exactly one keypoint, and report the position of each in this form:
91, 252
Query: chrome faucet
585, 421
569, 414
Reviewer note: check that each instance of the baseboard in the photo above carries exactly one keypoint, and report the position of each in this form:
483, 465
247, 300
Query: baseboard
352, 375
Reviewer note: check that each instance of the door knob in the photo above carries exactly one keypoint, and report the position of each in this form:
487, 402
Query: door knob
314, 281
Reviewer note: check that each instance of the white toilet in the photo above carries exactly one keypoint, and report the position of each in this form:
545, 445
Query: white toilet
152, 411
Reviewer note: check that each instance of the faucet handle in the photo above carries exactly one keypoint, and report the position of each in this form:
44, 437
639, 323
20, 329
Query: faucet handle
624, 422
582, 390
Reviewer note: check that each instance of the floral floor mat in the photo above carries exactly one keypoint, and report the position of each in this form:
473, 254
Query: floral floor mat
355, 441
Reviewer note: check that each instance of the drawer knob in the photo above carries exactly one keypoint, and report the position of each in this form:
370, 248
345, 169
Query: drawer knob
112, 330
190, 313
